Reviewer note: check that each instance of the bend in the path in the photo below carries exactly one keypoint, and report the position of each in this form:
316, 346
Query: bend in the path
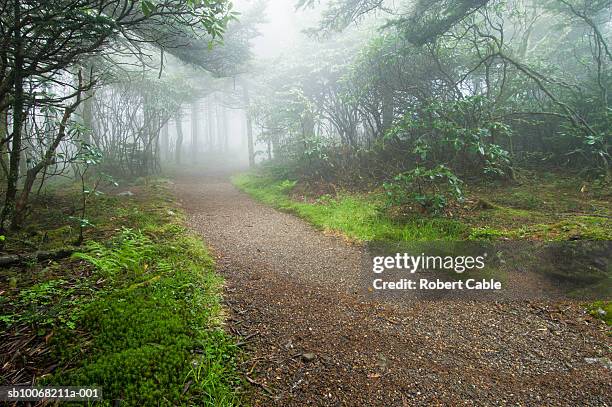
289, 287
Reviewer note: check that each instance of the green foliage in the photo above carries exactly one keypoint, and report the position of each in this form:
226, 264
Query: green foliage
87, 157
433, 18
137, 314
131, 253
461, 132
520, 224
47, 305
156, 325
360, 217
430, 188
542, 209
522, 200
444, 83
486, 233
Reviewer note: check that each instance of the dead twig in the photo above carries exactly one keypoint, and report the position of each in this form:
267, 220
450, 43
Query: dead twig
263, 386
245, 340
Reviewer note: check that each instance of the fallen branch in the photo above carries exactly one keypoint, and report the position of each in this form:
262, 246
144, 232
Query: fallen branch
13, 259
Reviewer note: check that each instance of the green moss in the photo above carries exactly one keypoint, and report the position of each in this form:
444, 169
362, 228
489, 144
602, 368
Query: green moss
536, 210
486, 233
520, 200
61, 236
136, 312
158, 323
575, 228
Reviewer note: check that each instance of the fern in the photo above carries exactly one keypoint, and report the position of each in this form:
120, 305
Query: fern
131, 252
164, 267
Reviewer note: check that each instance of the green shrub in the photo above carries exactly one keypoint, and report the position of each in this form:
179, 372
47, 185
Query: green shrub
431, 188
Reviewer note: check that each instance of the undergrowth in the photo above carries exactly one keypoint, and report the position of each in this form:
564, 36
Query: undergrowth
601, 310
367, 217
360, 217
137, 314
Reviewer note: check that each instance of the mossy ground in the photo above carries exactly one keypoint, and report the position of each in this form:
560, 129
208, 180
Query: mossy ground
136, 311
358, 216
542, 207
602, 310
532, 210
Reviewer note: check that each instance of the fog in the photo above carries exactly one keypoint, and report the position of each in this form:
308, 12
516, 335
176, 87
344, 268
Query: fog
217, 134
212, 130
190, 185
323, 82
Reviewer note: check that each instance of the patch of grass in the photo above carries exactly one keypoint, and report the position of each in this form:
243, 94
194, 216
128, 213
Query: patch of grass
486, 233
550, 209
503, 218
548, 206
574, 228
358, 216
521, 200
137, 313
47, 304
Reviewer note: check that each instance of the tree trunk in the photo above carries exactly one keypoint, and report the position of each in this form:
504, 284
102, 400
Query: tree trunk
165, 142
87, 111
211, 123
179, 137
387, 109
18, 119
194, 131
249, 124
221, 126
3, 151
225, 130
46, 160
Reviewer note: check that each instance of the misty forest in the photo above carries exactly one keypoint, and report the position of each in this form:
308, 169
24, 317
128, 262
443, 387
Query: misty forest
191, 190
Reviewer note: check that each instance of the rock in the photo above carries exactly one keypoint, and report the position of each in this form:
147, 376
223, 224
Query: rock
484, 205
308, 357
381, 361
605, 362
601, 312
125, 193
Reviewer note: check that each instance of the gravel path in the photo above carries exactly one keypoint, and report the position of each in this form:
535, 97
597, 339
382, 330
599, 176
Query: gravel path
314, 340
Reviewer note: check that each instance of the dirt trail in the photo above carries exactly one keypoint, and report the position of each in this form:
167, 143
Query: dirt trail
314, 341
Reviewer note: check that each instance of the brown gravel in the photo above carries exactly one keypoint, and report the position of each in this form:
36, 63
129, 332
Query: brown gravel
313, 340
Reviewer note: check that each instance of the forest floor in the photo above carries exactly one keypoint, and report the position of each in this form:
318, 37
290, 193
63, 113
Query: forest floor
135, 310
314, 339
